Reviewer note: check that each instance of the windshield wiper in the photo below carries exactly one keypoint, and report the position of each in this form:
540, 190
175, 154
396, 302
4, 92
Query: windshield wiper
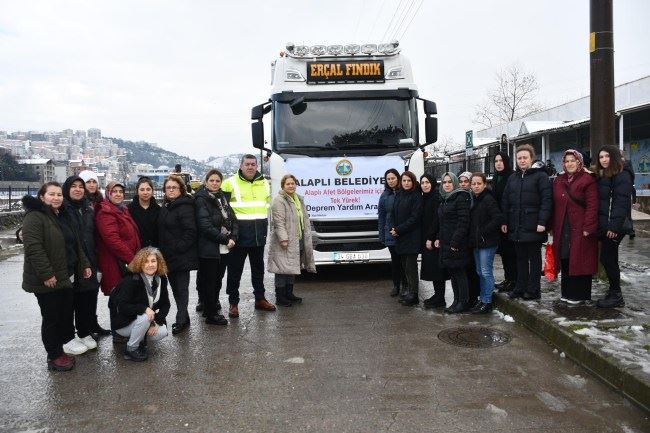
365, 145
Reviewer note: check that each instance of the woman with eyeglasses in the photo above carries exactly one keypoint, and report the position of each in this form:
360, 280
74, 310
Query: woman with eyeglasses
177, 237
145, 210
453, 238
118, 238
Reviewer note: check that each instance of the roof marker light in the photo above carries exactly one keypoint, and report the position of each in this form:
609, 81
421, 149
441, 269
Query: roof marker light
352, 49
318, 50
301, 50
335, 50
368, 48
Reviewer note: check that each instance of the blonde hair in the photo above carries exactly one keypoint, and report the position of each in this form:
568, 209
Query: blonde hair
141, 257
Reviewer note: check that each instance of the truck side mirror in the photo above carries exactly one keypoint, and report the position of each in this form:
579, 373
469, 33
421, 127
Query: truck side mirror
257, 128
430, 108
431, 129
258, 111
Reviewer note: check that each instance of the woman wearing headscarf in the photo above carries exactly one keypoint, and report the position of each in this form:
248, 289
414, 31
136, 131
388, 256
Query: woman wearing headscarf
53, 254
502, 171
117, 236
217, 227
144, 210
431, 270
615, 188
407, 232
177, 238
82, 218
473, 281
527, 205
290, 247
384, 219
453, 238
575, 226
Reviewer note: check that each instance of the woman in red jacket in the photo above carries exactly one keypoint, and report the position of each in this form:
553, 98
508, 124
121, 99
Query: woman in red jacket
117, 236
575, 226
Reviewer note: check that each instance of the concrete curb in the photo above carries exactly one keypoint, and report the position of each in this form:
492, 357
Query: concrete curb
605, 368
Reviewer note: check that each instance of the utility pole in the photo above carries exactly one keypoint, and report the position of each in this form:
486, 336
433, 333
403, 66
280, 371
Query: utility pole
601, 59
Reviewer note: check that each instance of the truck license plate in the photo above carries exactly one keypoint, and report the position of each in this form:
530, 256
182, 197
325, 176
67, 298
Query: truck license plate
348, 257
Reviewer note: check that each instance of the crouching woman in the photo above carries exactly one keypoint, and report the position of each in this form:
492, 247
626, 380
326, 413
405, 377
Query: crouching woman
139, 303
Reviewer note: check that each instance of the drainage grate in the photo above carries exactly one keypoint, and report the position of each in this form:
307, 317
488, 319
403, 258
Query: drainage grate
478, 337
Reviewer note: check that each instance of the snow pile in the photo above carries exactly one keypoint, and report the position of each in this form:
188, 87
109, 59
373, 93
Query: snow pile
504, 317
626, 343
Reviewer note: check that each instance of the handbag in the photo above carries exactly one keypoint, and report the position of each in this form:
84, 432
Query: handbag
549, 263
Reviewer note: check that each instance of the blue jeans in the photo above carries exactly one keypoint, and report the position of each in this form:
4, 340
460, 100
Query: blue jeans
484, 259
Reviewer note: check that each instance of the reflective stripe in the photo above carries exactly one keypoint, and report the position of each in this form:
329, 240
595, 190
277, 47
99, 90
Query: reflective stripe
235, 189
252, 216
249, 204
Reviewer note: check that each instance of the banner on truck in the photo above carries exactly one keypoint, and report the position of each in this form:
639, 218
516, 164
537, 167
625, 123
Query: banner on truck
342, 187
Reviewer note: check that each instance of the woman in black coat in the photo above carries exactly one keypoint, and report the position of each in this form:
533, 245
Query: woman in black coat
217, 227
406, 230
527, 205
615, 189
431, 269
144, 210
453, 238
81, 217
484, 229
384, 215
502, 171
177, 238
139, 303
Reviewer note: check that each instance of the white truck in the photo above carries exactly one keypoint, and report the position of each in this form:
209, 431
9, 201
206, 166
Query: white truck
342, 116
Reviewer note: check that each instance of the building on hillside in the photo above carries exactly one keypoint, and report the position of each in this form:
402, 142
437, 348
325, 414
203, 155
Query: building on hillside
44, 168
94, 133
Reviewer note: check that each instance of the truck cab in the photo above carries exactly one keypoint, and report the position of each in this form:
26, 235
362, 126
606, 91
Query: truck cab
340, 117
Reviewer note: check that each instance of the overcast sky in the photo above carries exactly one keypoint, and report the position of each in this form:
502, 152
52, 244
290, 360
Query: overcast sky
184, 74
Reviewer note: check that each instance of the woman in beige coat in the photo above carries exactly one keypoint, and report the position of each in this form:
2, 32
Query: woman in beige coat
290, 247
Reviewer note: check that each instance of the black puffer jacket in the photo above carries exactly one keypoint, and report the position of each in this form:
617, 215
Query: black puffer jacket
177, 234
407, 214
454, 230
527, 202
209, 221
129, 299
616, 190
82, 215
485, 221
146, 220
431, 269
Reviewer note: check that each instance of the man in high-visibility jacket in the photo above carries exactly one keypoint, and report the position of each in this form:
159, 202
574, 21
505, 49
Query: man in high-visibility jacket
249, 195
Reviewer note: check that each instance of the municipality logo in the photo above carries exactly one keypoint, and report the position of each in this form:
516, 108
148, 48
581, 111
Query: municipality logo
344, 167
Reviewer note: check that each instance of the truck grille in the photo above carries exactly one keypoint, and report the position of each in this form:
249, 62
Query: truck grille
345, 226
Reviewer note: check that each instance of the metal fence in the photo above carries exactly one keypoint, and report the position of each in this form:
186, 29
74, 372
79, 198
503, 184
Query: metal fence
10, 197
482, 164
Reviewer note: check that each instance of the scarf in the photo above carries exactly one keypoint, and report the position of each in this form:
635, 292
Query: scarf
151, 284
455, 183
579, 159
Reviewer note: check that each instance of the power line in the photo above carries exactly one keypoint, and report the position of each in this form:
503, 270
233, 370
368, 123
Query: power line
397, 29
409, 23
372, 29
383, 38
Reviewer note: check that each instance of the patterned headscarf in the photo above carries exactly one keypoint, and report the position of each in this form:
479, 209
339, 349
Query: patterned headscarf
579, 159
109, 191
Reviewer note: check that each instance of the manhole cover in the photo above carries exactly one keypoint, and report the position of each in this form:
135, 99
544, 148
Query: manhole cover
586, 312
478, 337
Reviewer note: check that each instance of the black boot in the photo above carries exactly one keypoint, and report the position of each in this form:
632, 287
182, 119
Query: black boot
395, 291
410, 299
613, 299
290, 296
481, 308
281, 298
460, 307
505, 286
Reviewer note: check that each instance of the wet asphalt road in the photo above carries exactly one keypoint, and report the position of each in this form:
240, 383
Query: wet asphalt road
350, 359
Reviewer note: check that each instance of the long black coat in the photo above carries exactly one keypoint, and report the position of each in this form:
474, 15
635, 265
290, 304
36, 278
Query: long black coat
485, 221
454, 230
431, 269
617, 190
209, 221
129, 299
407, 216
146, 220
527, 202
177, 234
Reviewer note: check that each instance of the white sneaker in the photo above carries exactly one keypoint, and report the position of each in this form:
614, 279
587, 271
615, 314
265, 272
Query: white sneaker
75, 347
89, 342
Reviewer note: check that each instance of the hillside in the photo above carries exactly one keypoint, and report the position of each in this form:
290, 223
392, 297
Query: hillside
146, 153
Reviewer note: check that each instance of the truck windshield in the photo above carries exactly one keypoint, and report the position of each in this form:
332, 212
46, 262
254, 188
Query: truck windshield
344, 124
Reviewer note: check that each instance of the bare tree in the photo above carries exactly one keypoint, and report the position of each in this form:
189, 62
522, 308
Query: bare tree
512, 97
443, 146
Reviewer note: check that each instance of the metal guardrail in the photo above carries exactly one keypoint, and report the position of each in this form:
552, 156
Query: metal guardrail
10, 198
482, 164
